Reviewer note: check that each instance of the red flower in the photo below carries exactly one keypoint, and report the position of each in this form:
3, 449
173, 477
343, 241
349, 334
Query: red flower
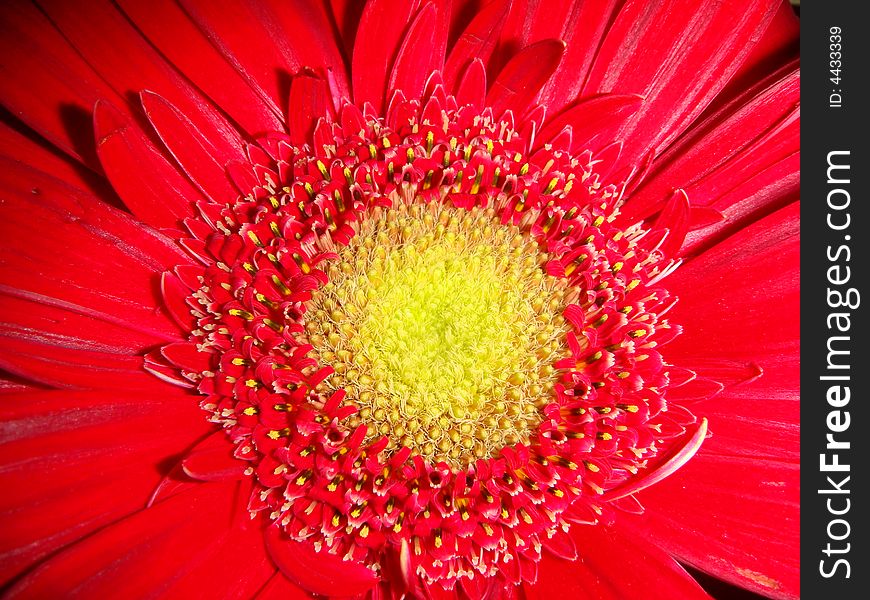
278, 321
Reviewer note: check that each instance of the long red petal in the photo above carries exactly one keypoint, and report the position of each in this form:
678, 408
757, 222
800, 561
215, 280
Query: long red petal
124, 59
613, 564
377, 43
76, 461
520, 81
204, 163
268, 42
77, 282
476, 42
172, 539
317, 572
750, 134
678, 54
171, 30
21, 148
45, 83
421, 52
583, 26
151, 187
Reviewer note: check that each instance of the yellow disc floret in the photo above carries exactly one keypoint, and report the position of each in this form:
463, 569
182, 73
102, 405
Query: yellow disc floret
442, 327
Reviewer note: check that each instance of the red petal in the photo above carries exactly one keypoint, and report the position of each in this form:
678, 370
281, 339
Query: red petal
19, 147
204, 163
754, 500
237, 566
150, 186
212, 460
678, 54
561, 545
45, 83
267, 42
737, 279
689, 446
185, 356
745, 479
279, 588
614, 564
582, 28
594, 121
172, 32
125, 60
472, 86
309, 101
317, 572
346, 14
76, 461
779, 45
520, 81
476, 42
675, 218
78, 285
147, 553
756, 131
421, 52
381, 31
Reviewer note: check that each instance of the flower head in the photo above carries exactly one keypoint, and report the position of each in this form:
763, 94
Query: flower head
423, 317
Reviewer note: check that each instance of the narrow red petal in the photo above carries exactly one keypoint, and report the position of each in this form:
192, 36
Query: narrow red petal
309, 101
472, 87
202, 161
520, 81
378, 39
674, 461
212, 460
675, 218
172, 32
317, 572
310, 27
76, 461
678, 54
421, 52
150, 186
477, 42
614, 564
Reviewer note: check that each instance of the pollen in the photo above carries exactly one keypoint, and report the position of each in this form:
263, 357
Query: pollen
441, 321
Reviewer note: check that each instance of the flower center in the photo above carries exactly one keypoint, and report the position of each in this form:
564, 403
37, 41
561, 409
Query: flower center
443, 329
431, 342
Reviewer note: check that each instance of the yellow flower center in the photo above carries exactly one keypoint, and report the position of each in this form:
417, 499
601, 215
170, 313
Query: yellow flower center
442, 327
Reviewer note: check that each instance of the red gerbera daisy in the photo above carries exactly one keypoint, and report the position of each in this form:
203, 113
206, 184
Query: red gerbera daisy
420, 299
